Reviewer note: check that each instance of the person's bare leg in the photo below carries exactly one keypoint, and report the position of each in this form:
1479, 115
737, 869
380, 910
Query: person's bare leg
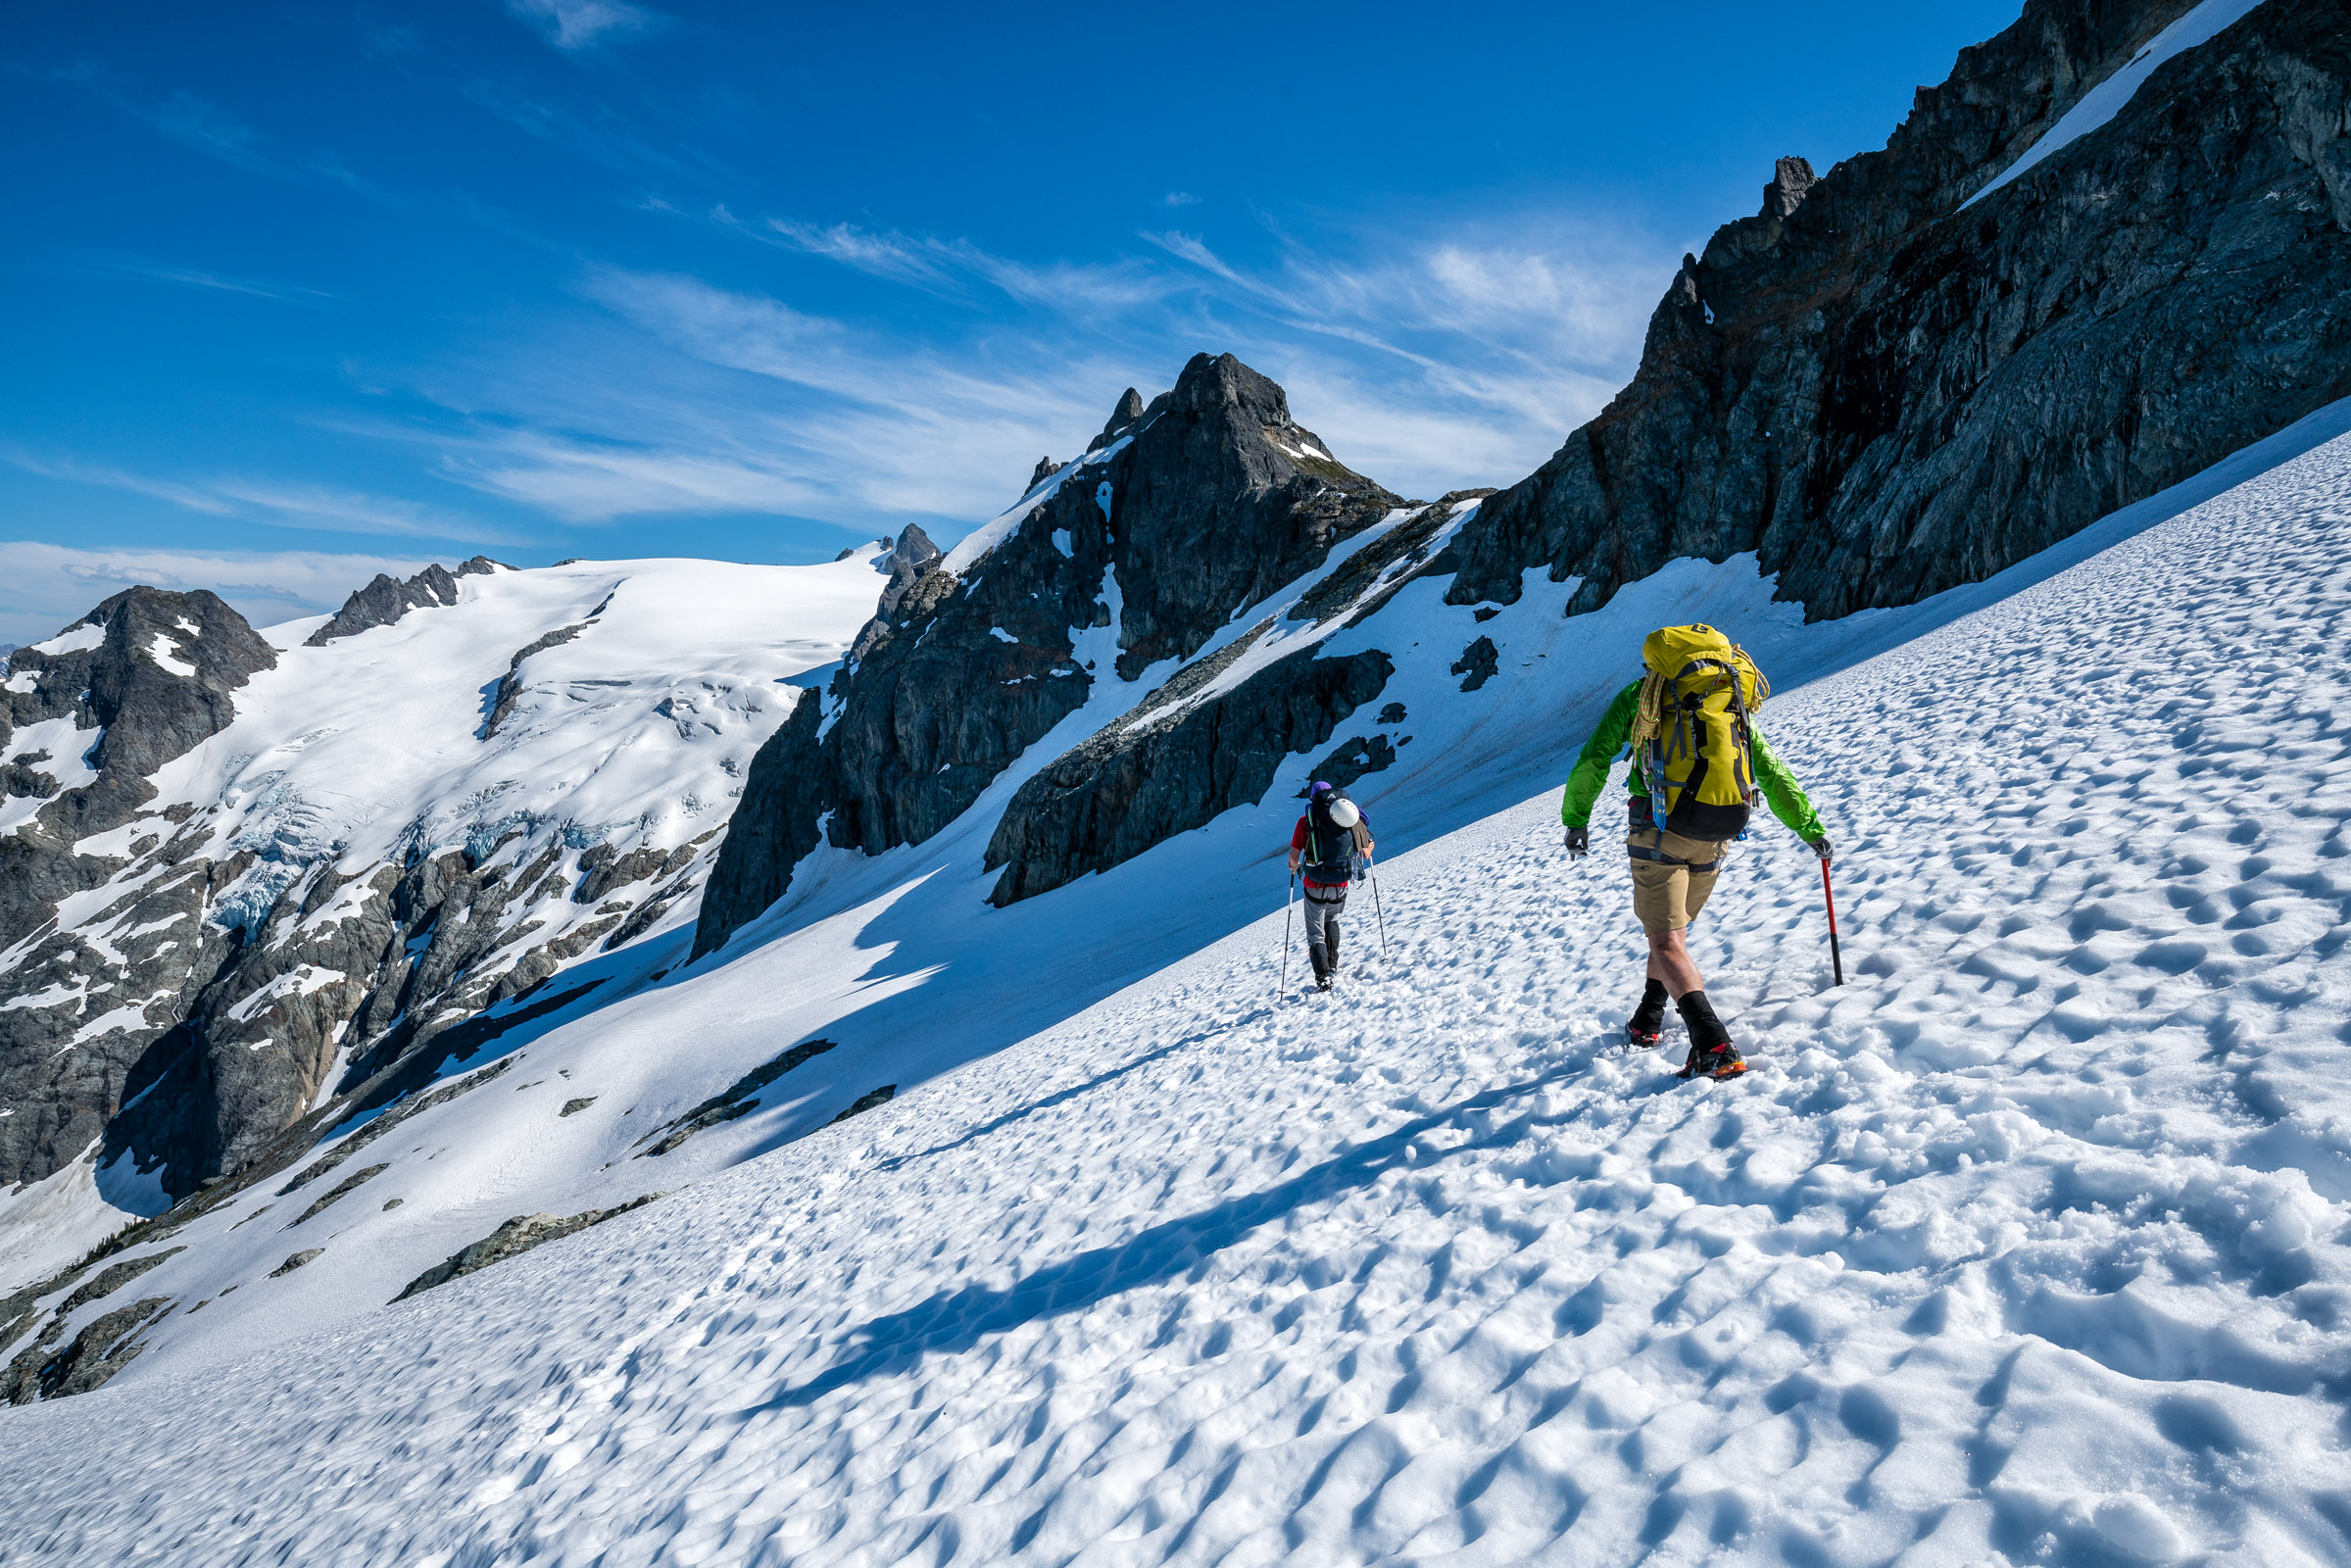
1670, 964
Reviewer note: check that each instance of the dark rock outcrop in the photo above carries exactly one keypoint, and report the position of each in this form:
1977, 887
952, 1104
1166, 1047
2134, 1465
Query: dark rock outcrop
515, 1237
1884, 394
909, 559
738, 1098
386, 599
1185, 511
105, 1345
1126, 789
1478, 664
1220, 500
152, 676
865, 1103
510, 684
775, 825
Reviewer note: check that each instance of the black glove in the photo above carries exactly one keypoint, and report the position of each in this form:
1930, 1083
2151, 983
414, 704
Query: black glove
1819, 847
1579, 843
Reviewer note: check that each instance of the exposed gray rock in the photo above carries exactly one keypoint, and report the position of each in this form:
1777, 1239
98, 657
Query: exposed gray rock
1478, 664
113, 1278
738, 1098
517, 1236
1123, 417
1129, 788
295, 1260
867, 1102
577, 1105
1221, 499
103, 1348
339, 1190
510, 684
1355, 757
909, 560
386, 599
774, 826
1045, 471
1884, 396
1391, 556
606, 869
157, 682
1218, 498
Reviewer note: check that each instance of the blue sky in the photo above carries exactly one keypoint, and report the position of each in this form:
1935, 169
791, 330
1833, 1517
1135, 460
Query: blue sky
293, 294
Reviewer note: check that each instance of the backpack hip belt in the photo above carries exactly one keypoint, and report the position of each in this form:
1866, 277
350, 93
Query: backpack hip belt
1663, 859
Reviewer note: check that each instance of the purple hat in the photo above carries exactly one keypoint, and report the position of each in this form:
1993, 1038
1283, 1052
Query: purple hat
1319, 787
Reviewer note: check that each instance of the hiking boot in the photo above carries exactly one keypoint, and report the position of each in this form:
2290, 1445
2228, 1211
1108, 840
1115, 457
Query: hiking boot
1714, 1061
1647, 1027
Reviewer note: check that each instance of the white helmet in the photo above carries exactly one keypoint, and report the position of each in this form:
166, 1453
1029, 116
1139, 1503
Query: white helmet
1344, 813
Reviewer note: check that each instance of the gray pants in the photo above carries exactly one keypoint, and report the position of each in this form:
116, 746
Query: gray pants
1322, 928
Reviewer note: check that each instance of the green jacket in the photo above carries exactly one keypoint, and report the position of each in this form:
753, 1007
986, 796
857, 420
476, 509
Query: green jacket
1779, 787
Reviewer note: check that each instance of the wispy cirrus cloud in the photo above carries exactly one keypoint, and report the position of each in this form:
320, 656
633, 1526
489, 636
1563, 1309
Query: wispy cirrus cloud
145, 270
1435, 362
197, 124
272, 502
571, 24
50, 585
1455, 361
734, 402
956, 266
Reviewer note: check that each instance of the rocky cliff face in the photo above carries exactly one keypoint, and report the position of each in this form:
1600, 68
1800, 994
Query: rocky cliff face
1885, 393
91, 714
1181, 513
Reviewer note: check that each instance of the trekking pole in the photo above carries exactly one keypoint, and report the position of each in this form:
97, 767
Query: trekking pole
1382, 914
1835, 964
1287, 899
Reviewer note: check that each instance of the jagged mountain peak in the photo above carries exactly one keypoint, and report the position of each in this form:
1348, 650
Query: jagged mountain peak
88, 714
1208, 499
1122, 419
386, 599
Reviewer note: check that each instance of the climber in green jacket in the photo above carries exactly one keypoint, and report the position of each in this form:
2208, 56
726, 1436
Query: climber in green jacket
1691, 723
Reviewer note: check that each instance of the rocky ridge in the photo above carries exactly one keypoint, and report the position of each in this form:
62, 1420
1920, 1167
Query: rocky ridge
386, 599
1180, 515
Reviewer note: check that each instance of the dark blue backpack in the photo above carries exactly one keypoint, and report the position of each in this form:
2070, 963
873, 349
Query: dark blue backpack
1330, 855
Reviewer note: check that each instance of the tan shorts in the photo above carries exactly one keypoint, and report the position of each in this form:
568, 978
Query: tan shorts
1666, 897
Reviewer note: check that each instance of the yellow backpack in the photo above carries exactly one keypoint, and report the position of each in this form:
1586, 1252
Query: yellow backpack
1691, 736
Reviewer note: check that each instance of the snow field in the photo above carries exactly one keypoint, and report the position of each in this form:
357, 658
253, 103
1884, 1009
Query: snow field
2027, 1246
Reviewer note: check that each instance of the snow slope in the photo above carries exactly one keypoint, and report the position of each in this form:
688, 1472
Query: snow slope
2028, 1245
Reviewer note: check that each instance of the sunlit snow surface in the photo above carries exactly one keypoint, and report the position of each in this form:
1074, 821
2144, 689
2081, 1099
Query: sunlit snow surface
2027, 1246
